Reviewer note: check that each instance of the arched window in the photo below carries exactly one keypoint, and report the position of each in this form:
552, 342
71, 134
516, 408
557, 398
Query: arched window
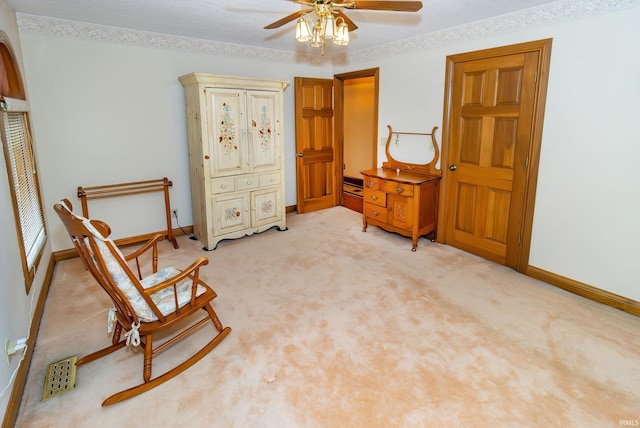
20, 162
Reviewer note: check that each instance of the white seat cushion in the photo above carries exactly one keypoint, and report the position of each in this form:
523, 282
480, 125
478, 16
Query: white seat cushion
164, 298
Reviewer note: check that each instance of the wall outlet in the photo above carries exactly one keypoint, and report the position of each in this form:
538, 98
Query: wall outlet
174, 212
13, 346
7, 346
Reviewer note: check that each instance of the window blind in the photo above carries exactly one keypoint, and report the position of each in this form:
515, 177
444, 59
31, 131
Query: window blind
25, 185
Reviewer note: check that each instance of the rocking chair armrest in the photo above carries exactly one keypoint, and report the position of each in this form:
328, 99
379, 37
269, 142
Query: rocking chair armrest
189, 272
148, 245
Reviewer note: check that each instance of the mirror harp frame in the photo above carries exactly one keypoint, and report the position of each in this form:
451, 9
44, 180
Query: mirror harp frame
428, 168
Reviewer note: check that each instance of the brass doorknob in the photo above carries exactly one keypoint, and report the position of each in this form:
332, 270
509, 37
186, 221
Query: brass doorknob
453, 167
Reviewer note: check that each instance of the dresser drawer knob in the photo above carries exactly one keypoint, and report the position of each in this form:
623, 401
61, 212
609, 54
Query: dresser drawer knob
400, 190
372, 184
375, 213
374, 197
223, 186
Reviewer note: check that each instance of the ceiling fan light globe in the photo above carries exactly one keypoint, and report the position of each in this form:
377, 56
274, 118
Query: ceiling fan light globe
342, 35
317, 40
303, 34
329, 27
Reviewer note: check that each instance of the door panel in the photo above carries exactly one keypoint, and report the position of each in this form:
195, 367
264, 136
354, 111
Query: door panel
265, 206
227, 145
315, 148
231, 213
263, 123
492, 106
401, 211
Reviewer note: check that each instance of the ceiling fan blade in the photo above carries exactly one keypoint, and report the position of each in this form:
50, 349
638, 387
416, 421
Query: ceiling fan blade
286, 19
398, 6
350, 24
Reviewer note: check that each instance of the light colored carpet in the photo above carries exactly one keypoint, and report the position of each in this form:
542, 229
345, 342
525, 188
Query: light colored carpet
333, 327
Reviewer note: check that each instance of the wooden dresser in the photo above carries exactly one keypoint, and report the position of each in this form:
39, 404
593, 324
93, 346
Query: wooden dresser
402, 197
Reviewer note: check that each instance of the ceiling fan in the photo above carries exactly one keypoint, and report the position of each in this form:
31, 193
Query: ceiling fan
331, 22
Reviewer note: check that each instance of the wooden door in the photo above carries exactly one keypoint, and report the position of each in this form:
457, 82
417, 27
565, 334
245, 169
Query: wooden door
315, 146
493, 117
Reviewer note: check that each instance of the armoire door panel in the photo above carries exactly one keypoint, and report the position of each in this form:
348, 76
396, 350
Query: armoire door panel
265, 206
230, 213
227, 142
262, 124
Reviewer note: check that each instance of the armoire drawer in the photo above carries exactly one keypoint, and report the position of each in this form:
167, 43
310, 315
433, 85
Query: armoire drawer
269, 179
222, 185
247, 182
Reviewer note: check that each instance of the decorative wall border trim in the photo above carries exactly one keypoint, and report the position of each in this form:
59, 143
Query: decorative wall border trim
552, 13
123, 36
539, 16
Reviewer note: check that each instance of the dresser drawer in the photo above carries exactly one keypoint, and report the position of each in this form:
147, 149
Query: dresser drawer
375, 197
372, 183
375, 212
222, 185
394, 187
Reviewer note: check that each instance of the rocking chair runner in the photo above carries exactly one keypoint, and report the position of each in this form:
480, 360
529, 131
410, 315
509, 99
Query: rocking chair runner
143, 306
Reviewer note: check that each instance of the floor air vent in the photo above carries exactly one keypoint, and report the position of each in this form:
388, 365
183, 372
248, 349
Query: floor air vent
60, 378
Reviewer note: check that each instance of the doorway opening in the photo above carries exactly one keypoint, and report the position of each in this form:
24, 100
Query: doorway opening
356, 131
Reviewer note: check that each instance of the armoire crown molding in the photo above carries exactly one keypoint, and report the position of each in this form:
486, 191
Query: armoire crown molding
552, 13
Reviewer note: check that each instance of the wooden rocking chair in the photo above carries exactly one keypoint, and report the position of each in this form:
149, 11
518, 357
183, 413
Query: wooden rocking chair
143, 306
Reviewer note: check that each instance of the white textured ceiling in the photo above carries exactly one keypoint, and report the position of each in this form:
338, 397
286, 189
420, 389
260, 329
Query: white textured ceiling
242, 21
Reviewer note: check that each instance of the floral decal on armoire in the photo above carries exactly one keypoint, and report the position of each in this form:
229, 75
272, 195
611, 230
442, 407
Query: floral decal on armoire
263, 128
227, 135
267, 207
230, 214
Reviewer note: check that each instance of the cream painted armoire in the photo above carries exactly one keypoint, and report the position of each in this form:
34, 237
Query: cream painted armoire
236, 152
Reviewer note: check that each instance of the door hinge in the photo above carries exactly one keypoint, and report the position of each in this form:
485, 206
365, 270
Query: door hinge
519, 238
526, 162
535, 77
